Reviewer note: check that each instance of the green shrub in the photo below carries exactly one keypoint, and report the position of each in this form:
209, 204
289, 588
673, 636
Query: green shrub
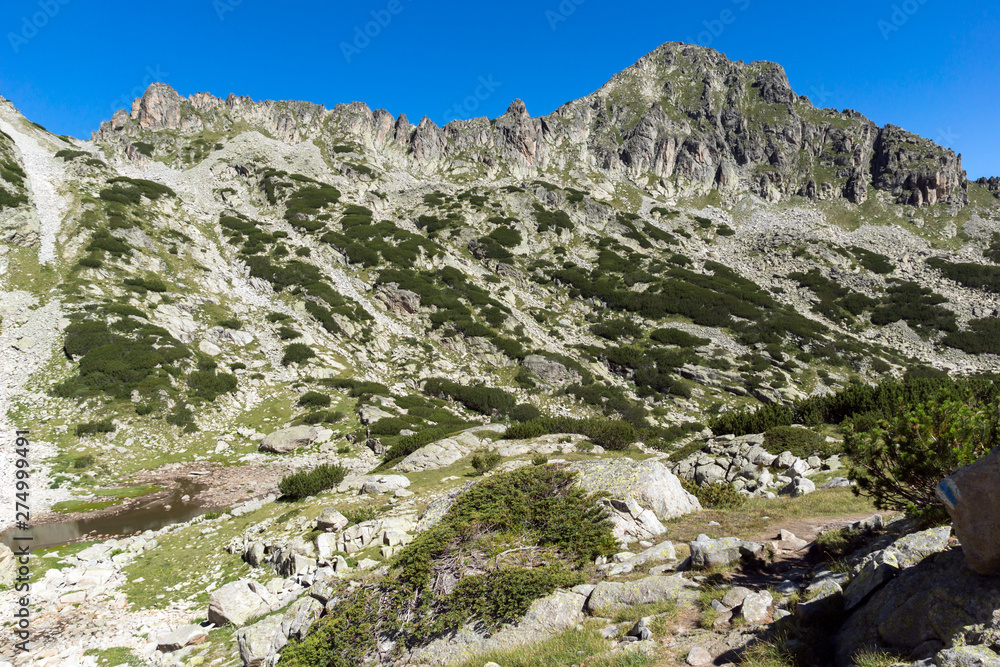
615, 330
297, 353
899, 463
69, 155
360, 514
524, 412
388, 426
801, 442
485, 400
231, 323
314, 399
287, 333
539, 459
90, 428
983, 337
210, 384
720, 496
311, 482
608, 433
873, 261
91, 261
483, 461
83, 461
677, 337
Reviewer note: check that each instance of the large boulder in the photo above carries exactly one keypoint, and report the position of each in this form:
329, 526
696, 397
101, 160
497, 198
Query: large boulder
299, 616
549, 370
610, 596
443, 453
546, 617
239, 601
331, 521
649, 482
289, 439
707, 553
938, 602
187, 635
969, 495
259, 643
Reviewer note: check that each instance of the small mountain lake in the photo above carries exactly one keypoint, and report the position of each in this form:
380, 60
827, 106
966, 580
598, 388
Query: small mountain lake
148, 513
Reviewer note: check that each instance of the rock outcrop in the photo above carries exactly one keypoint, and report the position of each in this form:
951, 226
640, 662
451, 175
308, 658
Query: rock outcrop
685, 115
650, 483
969, 494
289, 439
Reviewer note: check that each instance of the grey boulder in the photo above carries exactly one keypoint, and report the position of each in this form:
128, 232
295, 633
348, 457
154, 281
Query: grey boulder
289, 439
649, 482
239, 601
969, 495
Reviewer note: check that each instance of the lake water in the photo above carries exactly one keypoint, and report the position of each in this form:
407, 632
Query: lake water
139, 517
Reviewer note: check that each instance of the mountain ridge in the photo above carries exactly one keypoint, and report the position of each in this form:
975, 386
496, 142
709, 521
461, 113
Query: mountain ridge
746, 131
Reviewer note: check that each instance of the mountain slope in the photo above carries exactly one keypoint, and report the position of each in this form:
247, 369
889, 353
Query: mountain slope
690, 238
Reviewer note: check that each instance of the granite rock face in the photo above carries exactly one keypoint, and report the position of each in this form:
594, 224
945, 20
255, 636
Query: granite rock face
649, 482
969, 495
684, 114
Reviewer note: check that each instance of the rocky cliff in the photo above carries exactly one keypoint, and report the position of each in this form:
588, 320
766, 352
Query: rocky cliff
683, 120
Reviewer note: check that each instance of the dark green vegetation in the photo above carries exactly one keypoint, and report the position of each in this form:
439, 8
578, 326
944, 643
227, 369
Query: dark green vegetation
835, 301
365, 242
484, 400
461, 306
983, 337
861, 405
130, 355
801, 442
91, 428
900, 461
719, 496
131, 191
12, 173
608, 433
311, 482
918, 306
976, 276
483, 461
539, 504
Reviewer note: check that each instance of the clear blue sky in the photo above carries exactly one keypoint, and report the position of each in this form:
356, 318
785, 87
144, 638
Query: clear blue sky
930, 66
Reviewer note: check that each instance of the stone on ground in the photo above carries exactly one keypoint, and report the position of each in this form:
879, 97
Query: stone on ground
649, 482
239, 601
289, 439
969, 494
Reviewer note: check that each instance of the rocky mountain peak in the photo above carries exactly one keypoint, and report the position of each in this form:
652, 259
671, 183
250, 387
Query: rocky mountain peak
681, 121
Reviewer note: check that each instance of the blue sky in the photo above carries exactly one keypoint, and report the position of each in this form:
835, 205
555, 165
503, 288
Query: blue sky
930, 66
